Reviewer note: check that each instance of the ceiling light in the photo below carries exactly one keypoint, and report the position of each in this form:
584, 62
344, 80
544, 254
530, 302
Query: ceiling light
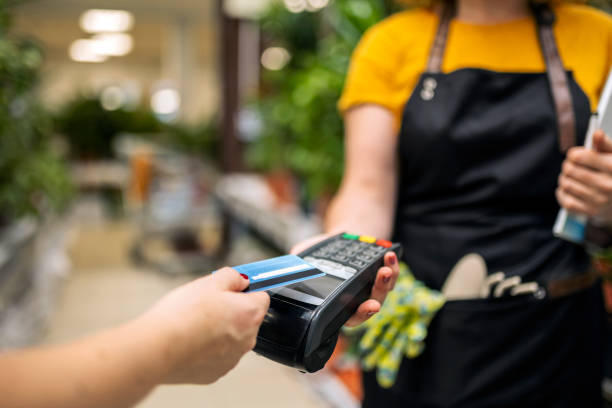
83, 51
275, 58
106, 21
249, 9
113, 98
296, 6
317, 4
165, 101
113, 44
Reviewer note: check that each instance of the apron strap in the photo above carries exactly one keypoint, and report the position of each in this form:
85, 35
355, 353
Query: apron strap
557, 77
439, 45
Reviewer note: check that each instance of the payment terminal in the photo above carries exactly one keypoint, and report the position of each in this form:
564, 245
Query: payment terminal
301, 327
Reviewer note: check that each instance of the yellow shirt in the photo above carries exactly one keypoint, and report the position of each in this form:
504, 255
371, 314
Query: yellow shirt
391, 56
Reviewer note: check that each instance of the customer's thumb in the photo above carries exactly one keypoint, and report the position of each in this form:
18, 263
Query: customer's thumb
229, 279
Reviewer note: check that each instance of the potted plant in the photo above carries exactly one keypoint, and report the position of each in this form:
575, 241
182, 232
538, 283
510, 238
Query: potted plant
34, 183
32, 176
302, 131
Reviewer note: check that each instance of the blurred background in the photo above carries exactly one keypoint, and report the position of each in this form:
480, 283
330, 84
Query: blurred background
144, 143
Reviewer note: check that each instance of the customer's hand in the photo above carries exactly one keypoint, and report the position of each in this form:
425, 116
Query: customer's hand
384, 283
208, 326
585, 182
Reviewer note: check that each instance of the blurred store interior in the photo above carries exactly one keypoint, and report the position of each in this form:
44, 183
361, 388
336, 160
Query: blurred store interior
145, 143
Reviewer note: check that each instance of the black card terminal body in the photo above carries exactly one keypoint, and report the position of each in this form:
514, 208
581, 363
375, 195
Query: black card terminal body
302, 325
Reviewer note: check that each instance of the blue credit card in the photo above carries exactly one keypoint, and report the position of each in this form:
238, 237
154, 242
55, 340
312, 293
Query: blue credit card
281, 271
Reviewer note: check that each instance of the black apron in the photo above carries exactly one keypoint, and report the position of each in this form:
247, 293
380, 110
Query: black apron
479, 161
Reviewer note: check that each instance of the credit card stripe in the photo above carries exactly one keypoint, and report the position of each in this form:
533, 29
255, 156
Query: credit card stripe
271, 274
285, 278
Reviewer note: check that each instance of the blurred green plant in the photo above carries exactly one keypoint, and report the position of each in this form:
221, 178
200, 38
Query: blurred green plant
33, 177
301, 128
200, 139
90, 130
605, 5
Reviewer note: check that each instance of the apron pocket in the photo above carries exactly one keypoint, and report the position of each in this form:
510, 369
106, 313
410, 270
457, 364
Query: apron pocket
509, 351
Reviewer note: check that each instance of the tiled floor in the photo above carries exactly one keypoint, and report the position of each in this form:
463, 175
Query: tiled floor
104, 289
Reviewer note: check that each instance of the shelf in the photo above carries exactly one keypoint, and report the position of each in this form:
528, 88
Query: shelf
247, 199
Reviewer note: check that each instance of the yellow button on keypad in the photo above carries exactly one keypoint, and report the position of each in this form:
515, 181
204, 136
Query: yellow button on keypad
369, 240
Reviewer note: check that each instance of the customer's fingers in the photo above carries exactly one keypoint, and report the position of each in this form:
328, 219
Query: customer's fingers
261, 300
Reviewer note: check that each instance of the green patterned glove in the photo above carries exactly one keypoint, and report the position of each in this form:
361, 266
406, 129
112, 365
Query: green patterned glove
399, 328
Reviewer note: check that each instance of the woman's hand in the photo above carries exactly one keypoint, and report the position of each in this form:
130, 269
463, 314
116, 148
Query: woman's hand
307, 243
385, 281
208, 326
585, 182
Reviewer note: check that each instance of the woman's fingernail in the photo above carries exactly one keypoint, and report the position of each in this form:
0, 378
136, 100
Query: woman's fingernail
386, 279
244, 276
371, 313
392, 260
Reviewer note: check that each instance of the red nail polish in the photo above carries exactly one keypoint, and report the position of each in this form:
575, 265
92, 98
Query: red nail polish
393, 260
371, 313
386, 279
244, 276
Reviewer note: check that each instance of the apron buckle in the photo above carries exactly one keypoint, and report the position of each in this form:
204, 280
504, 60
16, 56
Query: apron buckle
429, 85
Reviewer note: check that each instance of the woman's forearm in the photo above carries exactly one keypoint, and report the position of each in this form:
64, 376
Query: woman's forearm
363, 211
365, 203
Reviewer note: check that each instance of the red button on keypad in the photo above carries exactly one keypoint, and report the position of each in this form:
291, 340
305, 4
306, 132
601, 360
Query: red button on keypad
383, 243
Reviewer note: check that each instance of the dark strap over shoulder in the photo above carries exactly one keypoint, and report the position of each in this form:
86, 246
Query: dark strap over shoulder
557, 76
439, 45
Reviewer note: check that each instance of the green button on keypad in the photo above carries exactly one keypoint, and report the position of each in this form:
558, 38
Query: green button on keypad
350, 236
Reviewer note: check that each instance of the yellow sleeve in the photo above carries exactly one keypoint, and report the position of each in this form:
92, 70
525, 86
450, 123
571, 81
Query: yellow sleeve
585, 45
379, 65
370, 77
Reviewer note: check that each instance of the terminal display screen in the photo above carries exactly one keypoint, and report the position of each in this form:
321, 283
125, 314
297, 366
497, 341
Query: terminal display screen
320, 287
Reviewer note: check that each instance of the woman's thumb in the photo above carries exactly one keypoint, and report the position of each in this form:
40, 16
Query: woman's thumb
601, 142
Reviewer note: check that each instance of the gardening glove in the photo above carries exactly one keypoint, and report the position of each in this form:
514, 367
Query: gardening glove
399, 328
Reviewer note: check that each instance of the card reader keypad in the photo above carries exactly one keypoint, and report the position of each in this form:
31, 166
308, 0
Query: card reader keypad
346, 254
